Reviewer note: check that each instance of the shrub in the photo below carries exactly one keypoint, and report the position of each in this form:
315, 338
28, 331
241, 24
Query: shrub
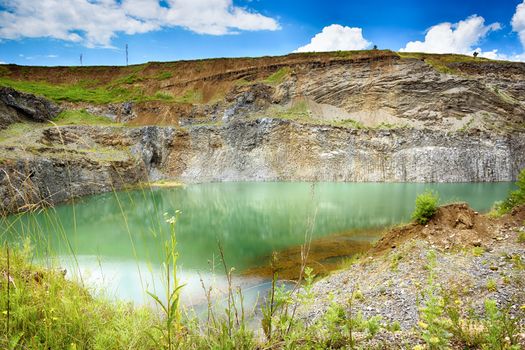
426, 207
515, 198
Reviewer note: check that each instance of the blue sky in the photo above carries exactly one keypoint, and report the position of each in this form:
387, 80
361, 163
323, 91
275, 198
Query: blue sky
56, 32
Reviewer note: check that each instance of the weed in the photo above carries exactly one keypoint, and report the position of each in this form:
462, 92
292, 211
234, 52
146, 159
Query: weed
521, 237
433, 325
491, 285
348, 262
478, 251
394, 263
170, 308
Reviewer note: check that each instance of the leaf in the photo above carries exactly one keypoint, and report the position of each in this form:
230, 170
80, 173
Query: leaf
176, 290
14, 341
156, 298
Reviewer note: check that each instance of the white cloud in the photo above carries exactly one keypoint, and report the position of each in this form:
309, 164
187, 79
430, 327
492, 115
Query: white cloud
518, 22
2, 62
336, 37
97, 22
454, 37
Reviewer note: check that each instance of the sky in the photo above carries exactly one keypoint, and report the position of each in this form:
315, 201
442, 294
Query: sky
57, 32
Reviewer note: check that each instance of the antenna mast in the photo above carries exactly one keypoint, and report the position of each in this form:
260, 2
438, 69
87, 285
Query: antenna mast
126, 54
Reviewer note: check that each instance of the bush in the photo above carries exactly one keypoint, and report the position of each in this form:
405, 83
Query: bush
426, 207
515, 198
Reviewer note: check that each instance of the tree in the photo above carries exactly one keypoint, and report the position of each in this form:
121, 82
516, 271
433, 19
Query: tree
475, 54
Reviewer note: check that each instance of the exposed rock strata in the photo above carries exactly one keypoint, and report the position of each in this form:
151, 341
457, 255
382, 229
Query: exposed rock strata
16, 106
55, 164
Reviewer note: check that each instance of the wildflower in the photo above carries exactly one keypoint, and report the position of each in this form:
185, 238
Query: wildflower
417, 347
171, 220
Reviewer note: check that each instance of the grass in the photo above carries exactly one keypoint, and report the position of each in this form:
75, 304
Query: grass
43, 310
491, 285
17, 129
442, 62
115, 92
278, 77
351, 123
163, 76
297, 111
521, 237
190, 96
74, 93
81, 117
478, 251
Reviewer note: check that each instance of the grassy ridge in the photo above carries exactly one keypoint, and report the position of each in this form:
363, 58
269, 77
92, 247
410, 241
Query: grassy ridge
147, 82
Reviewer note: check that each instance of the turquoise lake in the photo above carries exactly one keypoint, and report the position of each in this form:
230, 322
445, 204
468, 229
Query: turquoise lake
113, 242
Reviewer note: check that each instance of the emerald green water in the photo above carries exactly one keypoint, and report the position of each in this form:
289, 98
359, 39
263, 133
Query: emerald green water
115, 240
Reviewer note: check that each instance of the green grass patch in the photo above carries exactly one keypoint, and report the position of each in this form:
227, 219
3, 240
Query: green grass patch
162, 96
15, 130
163, 76
278, 77
81, 117
115, 92
46, 311
190, 96
349, 123
73, 93
442, 62
298, 111
478, 251
521, 237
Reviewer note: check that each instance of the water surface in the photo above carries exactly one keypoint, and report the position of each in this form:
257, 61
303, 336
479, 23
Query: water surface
116, 240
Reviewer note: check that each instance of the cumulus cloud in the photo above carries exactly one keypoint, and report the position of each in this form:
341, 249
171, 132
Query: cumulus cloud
518, 22
336, 37
454, 37
97, 22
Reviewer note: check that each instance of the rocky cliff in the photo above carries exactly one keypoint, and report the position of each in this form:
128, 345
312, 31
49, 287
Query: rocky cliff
365, 116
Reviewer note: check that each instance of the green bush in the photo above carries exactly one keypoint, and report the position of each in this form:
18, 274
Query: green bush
515, 198
426, 207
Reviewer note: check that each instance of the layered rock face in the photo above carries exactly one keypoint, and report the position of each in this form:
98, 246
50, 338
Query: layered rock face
16, 106
378, 118
56, 164
270, 149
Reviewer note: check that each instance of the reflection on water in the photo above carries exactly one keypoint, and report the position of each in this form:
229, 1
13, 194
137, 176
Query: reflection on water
117, 238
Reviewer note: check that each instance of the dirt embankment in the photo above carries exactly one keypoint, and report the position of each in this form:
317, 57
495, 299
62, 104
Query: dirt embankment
453, 226
462, 256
